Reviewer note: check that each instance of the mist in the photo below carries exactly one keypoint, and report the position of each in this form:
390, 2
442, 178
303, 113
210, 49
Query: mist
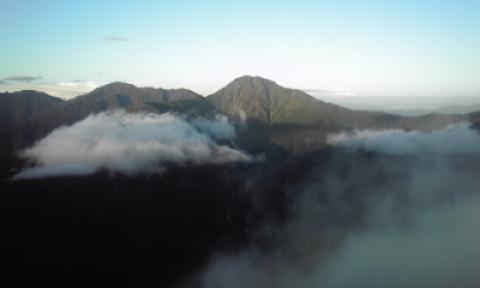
387, 209
121, 142
455, 139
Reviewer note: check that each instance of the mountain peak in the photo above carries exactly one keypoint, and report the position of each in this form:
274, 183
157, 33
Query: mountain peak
263, 100
117, 86
33, 93
251, 80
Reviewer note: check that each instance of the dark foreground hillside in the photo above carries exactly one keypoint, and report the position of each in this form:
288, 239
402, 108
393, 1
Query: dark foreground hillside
118, 230
166, 230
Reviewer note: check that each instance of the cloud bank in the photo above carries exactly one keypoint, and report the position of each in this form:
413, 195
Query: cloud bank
452, 140
130, 143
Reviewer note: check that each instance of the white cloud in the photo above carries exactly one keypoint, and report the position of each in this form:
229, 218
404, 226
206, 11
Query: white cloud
372, 221
79, 84
454, 139
130, 144
219, 129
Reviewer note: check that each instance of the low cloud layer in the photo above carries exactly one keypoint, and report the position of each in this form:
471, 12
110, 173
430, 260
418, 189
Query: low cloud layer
452, 140
404, 216
335, 92
130, 143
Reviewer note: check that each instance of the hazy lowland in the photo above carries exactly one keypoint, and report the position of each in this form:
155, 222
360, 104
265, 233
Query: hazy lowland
255, 185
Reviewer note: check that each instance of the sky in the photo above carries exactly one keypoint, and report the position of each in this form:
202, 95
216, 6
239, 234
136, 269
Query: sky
333, 48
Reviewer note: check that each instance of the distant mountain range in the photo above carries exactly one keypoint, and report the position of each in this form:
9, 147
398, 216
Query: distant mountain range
271, 114
405, 105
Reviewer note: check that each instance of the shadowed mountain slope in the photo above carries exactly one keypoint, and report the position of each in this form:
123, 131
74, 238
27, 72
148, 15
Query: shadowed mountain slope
24, 106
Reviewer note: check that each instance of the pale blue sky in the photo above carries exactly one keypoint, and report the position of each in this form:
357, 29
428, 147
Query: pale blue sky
386, 48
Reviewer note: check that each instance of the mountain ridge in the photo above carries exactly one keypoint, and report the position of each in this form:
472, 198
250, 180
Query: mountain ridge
298, 121
289, 118
271, 104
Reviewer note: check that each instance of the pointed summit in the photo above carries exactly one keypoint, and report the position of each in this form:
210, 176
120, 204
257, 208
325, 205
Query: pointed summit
255, 84
266, 101
252, 80
117, 86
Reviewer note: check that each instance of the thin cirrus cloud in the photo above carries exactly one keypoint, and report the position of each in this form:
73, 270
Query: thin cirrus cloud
130, 144
114, 39
23, 78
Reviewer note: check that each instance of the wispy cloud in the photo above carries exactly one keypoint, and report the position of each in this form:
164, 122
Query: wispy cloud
23, 78
2, 82
80, 85
114, 39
